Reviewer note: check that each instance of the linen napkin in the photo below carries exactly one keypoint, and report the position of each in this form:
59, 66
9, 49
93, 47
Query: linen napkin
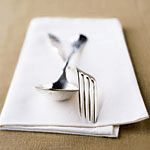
105, 57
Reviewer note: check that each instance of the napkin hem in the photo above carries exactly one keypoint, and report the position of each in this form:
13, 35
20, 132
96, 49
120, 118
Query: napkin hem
30, 129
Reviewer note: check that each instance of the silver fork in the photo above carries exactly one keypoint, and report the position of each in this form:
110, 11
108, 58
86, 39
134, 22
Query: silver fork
87, 96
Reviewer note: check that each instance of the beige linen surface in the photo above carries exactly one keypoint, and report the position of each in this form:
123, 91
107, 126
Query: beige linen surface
135, 17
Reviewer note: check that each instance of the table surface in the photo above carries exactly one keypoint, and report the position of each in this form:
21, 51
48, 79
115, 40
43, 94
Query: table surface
135, 17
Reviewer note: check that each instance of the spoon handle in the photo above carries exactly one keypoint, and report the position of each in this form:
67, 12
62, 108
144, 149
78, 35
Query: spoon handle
76, 46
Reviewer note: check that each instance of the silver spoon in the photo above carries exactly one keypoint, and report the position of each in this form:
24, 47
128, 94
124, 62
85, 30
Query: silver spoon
62, 82
62, 88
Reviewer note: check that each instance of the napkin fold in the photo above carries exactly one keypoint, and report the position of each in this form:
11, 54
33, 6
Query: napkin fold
105, 57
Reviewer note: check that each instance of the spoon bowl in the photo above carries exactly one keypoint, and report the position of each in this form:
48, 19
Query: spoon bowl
58, 94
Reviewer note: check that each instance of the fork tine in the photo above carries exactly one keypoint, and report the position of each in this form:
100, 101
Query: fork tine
92, 103
79, 90
94, 93
84, 95
82, 100
96, 102
94, 99
89, 98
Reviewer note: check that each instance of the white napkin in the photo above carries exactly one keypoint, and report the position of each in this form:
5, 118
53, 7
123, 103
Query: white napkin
105, 57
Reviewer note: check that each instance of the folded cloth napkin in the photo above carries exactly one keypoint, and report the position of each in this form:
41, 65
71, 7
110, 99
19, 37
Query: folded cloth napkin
105, 57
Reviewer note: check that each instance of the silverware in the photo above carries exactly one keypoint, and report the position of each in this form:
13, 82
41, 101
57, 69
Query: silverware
62, 82
87, 96
57, 44
62, 89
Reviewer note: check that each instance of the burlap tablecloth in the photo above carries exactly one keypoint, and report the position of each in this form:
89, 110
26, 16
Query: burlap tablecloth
135, 17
